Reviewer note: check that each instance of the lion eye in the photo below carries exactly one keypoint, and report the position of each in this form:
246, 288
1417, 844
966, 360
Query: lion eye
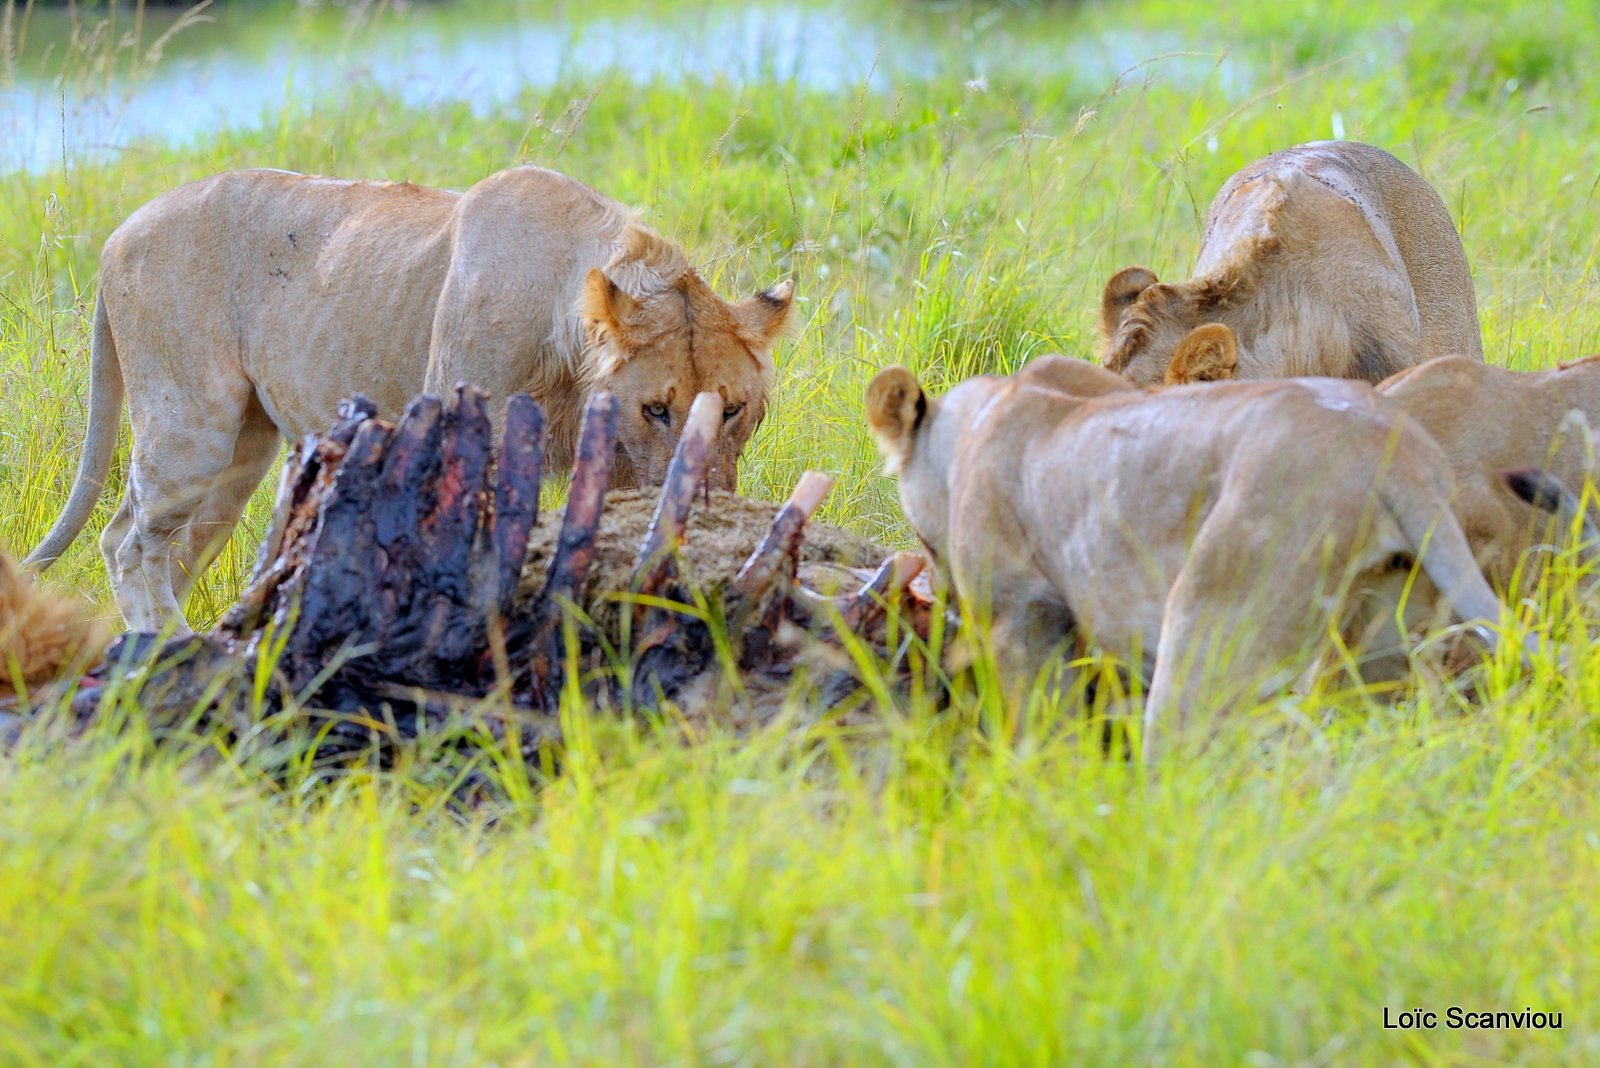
657, 411
731, 410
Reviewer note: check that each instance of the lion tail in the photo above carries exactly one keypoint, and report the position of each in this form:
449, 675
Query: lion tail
99, 447
1436, 539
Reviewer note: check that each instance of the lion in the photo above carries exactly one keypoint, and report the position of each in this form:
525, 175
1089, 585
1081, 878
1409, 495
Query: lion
1490, 421
42, 634
1197, 532
241, 308
1330, 258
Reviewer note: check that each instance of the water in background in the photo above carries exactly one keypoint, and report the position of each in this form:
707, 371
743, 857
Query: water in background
242, 64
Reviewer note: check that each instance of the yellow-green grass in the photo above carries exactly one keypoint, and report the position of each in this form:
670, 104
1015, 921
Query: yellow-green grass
928, 893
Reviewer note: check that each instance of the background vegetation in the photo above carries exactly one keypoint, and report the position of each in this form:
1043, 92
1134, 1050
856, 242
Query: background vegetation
919, 893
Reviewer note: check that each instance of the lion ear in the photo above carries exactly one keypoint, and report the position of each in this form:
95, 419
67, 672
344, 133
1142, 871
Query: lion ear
1208, 353
896, 407
1123, 289
604, 310
760, 319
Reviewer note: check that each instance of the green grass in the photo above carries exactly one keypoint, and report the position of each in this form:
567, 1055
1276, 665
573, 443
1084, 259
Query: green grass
923, 892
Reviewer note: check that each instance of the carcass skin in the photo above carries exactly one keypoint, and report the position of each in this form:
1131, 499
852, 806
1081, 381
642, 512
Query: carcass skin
407, 576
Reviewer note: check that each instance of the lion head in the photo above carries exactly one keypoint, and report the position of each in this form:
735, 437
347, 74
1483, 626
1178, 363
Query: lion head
655, 348
1150, 326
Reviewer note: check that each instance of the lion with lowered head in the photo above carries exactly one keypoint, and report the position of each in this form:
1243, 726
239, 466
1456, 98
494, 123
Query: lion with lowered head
1330, 258
1197, 531
1489, 421
240, 309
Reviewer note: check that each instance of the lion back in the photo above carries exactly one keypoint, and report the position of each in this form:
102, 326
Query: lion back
1409, 223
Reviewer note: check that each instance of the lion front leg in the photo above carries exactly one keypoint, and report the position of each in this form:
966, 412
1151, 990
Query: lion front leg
1026, 641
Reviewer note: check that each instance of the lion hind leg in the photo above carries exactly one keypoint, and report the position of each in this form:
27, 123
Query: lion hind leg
1209, 658
224, 502
1242, 621
137, 559
1029, 640
150, 544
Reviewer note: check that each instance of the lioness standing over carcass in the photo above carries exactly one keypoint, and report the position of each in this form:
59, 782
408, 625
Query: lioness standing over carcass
245, 306
1330, 258
1199, 530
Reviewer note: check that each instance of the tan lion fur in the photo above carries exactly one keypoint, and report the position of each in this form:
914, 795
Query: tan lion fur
242, 308
1197, 531
42, 634
1489, 420
1330, 258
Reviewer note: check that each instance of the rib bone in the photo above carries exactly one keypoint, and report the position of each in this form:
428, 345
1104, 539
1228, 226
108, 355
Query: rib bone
783, 538
858, 610
517, 480
395, 583
655, 567
591, 474
766, 583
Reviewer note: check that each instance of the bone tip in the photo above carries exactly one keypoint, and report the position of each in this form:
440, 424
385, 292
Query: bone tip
706, 401
467, 395
423, 406
905, 568
705, 417
357, 406
810, 490
525, 418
